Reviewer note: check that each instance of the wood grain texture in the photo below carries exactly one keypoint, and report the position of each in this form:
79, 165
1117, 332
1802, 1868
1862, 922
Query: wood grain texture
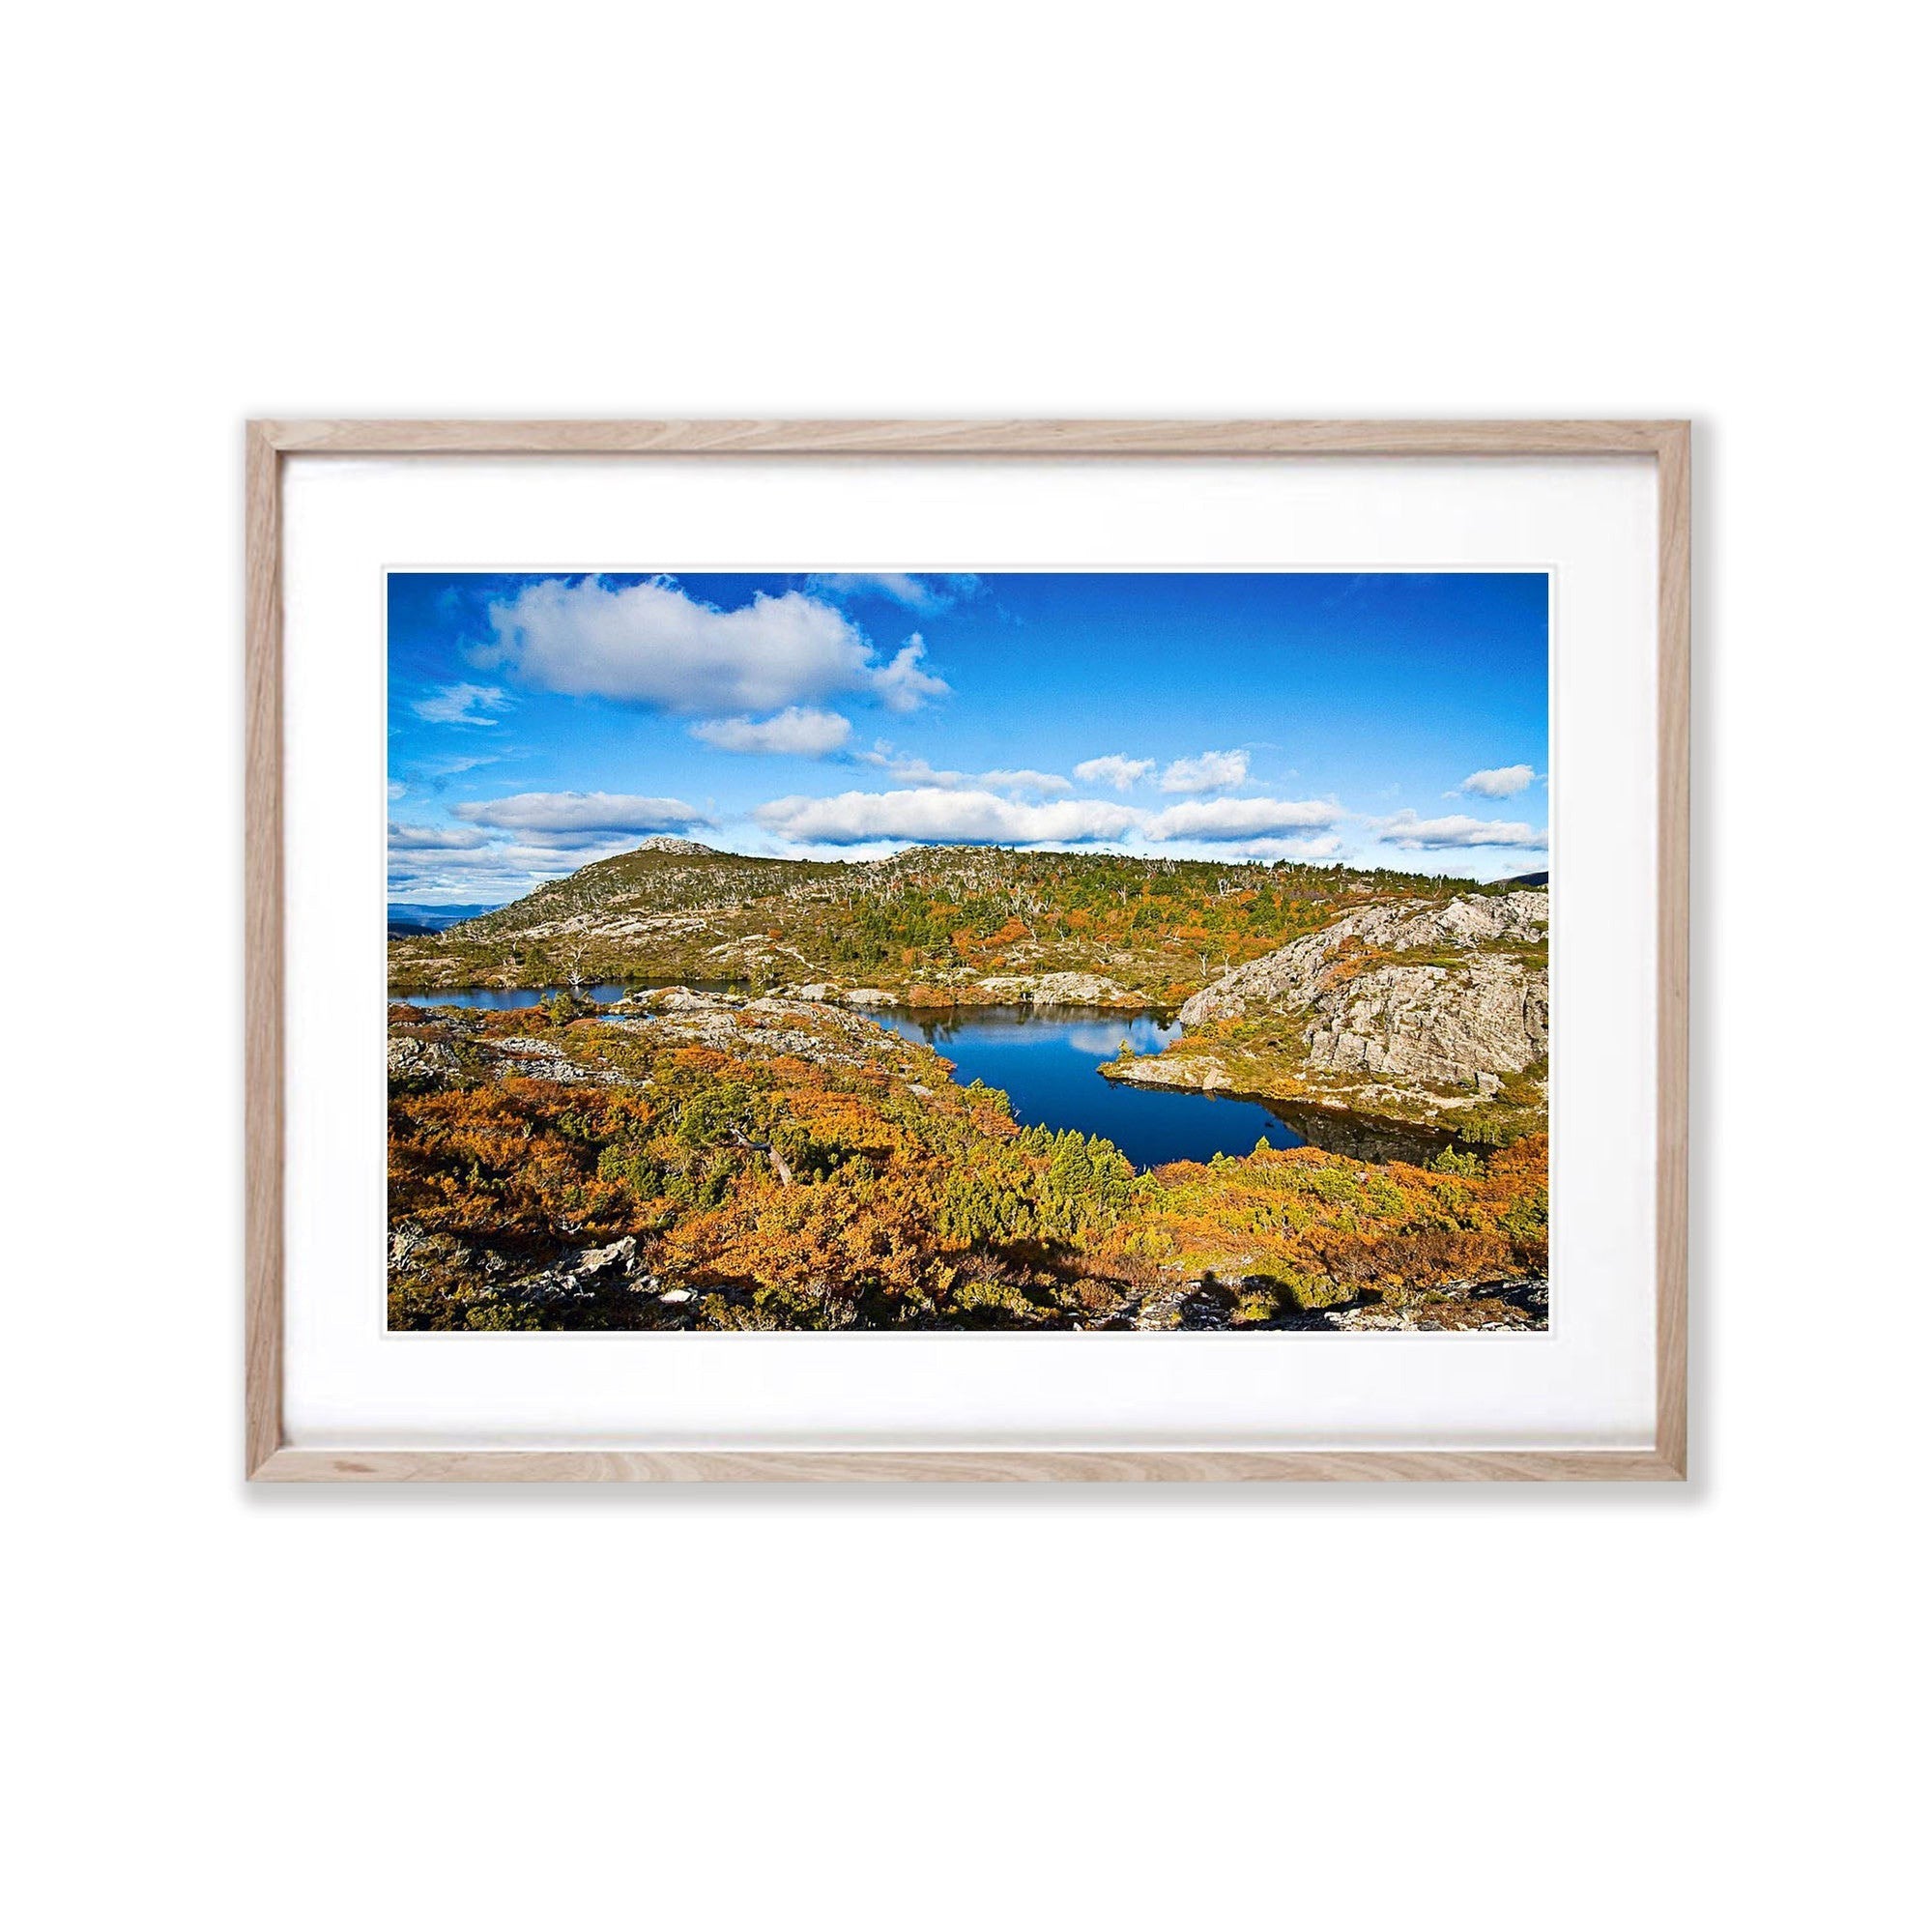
263, 993
1673, 946
942, 437
1018, 1465
269, 1459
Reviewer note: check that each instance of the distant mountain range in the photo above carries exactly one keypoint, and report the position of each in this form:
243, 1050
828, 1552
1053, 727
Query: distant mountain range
411, 922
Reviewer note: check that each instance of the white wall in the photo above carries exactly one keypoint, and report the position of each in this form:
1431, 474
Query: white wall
1379, 1709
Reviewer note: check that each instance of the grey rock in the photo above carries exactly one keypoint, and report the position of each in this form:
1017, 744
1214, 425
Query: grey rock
1294, 975
537, 1060
1200, 1073
621, 1254
1465, 1025
1058, 989
767, 1027
415, 1062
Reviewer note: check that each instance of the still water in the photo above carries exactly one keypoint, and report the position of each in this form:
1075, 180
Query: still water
1048, 1062
500, 1000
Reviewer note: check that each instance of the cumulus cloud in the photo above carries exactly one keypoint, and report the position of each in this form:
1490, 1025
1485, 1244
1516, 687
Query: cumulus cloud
491, 873
1211, 771
930, 814
943, 814
1328, 846
1413, 834
1023, 781
901, 686
926, 594
461, 705
795, 732
1504, 782
1228, 819
1113, 771
572, 819
434, 838
910, 770
651, 643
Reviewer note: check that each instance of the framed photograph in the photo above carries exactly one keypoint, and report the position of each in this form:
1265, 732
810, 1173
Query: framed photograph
967, 951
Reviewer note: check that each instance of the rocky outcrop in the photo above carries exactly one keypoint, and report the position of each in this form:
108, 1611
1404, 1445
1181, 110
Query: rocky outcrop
1062, 989
534, 1059
1297, 974
1196, 1072
419, 1062
1397, 1008
1455, 1026
771, 1027
1046, 988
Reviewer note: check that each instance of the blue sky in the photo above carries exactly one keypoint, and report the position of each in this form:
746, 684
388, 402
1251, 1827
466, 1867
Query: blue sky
543, 720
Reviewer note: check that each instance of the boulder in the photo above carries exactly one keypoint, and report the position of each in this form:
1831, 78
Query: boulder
1468, 1006
1298, 972
420, 1063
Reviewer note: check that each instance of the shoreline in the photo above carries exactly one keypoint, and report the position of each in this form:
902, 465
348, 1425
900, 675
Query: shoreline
1438, 1133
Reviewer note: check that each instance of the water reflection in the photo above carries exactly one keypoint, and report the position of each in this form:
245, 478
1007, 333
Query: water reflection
1047, 1059
506, 998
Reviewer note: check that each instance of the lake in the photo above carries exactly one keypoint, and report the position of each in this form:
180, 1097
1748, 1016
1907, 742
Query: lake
505, 1000
1048, 1060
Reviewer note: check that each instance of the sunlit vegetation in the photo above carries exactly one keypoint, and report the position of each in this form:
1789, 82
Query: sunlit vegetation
1266, 1056
938, 918
732, 1187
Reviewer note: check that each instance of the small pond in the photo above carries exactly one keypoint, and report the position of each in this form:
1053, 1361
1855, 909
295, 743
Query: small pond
1048, 1060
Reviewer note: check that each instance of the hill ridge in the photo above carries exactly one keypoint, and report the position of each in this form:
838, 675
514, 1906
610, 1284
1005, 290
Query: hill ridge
936, 921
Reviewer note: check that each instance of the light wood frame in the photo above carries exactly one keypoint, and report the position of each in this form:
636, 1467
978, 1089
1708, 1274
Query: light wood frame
269, 1458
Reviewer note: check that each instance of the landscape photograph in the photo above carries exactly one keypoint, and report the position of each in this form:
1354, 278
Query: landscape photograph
1128, 951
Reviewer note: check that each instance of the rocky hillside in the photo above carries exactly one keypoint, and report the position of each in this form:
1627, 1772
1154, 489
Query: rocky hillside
699, 1160
1436, 1013
932, 926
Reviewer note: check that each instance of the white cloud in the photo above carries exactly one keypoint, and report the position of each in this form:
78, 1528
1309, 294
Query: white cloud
1115, 770
932, 815
1211, 771
1504, 782
910, 770
1328, 846
940, 814
396, 789
1220, 818
570, 819
928, 595
901, 687
795, 732
454, 767
1023, 781
1316, 849
493, 873
651, 643
433, 838
1413, 834
461, 705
